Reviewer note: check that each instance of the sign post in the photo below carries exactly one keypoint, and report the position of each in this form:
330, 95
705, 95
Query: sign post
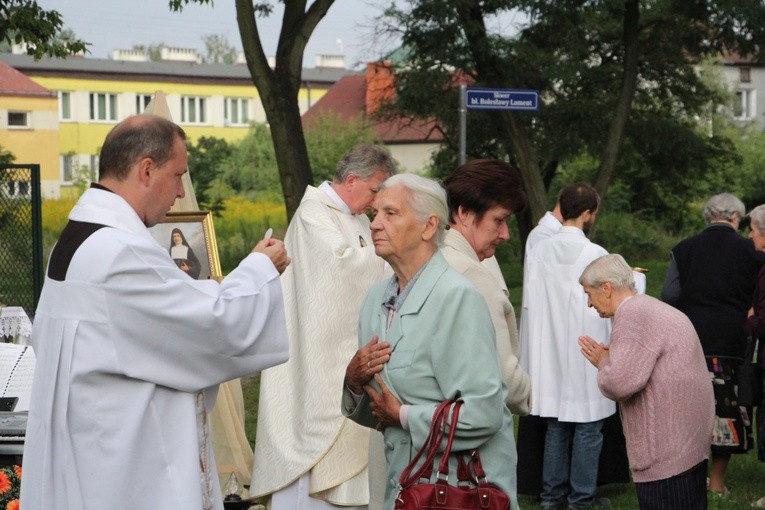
475, 98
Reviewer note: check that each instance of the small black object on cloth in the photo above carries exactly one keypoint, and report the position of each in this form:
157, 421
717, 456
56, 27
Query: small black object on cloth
233, 501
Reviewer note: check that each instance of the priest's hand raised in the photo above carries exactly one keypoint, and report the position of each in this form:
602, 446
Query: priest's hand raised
275, 250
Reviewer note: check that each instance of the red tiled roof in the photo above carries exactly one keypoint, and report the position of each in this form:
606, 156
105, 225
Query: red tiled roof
733, 57
14, 83
406, 130
348, 97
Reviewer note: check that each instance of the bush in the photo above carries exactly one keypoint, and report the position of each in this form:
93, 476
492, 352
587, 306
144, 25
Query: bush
632, 237
242, 224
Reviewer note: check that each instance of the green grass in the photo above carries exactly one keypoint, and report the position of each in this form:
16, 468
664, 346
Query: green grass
746, 475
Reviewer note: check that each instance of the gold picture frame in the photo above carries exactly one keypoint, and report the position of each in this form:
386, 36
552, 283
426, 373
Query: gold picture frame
198, 234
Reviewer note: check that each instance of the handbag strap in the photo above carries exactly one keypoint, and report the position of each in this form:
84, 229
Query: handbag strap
475, 462
443, 466
429, 447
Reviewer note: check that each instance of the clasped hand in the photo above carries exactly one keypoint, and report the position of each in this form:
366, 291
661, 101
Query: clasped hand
365, 365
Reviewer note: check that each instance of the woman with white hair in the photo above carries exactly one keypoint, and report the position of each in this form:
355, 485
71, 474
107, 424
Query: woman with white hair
441, 343
711, 279
655, 368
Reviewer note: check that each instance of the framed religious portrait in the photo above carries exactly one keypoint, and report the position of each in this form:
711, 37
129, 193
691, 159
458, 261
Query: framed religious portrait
190, 240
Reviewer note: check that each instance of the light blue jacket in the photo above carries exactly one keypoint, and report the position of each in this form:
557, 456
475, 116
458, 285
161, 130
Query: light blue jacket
443, 347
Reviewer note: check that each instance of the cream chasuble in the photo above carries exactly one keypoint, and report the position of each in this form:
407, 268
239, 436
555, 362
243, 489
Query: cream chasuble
300, 426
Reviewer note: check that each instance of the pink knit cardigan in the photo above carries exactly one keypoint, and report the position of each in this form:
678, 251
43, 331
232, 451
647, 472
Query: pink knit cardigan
655, 369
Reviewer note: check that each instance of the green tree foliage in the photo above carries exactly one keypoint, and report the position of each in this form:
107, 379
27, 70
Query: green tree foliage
25, 21
329, 137
251, 170
218, 50
6, 156
619, 82
250, 167
205, 165
279, 87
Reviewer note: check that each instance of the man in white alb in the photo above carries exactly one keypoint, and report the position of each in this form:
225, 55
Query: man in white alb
130, 350
564, 389
307, 455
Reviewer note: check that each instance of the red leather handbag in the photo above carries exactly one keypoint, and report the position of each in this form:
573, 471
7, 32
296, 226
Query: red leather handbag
472, 491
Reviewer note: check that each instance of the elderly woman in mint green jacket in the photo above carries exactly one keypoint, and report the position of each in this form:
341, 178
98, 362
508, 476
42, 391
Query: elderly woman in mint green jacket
426, 336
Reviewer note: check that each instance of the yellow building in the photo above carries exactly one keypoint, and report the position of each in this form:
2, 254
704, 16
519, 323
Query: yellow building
28, 126
94, 94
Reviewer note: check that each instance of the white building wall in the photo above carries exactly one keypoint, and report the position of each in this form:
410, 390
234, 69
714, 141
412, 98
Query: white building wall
754, 90
413, 157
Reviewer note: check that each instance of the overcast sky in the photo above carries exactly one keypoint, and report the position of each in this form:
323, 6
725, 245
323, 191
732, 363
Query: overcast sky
120, 24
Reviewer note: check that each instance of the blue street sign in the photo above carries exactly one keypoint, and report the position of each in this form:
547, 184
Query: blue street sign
501, 99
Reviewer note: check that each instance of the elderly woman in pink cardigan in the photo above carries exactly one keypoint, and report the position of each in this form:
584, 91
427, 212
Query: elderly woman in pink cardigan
654, 367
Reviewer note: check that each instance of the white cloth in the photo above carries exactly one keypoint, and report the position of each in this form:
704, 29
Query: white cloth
296, 497
563, 383
640, 281
547, 226
300, 426
129, 353
14, 322
462, 257
179, 251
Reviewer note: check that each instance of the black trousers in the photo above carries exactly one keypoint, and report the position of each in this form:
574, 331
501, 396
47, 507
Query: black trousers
686, 491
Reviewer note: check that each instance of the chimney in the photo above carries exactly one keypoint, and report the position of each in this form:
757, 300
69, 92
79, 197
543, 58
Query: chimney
180, 55
331, 61
129, 55
380, 86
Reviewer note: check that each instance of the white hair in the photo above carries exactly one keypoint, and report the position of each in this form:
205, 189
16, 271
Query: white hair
723, 207
757, 218
610, 268
428, 197
363, 161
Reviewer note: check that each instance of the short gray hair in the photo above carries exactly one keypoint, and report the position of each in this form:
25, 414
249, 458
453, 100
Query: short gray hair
363, 161
428, 197
757, 218
610, 268
723, 206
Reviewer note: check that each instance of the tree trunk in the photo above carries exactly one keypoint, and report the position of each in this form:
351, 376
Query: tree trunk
290, 149
616, 132
278, 88
491, 72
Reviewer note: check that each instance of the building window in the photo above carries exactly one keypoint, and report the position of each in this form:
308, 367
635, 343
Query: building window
193, 110
18, 119
745, 75
237, 111
67, 168
65, 106
141, 102
103, 106
743, 104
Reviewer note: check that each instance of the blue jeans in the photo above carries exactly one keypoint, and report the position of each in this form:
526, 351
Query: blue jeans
570, 467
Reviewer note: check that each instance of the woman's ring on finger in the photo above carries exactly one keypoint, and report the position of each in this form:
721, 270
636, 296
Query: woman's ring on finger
369, 364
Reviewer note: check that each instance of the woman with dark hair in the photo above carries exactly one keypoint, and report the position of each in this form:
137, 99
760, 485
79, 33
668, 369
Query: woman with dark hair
482, 195
183, 255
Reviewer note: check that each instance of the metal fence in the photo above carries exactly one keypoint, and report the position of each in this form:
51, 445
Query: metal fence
21, 269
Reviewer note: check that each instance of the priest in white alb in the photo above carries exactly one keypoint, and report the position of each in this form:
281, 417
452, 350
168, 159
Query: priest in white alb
307, 455
130, 350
